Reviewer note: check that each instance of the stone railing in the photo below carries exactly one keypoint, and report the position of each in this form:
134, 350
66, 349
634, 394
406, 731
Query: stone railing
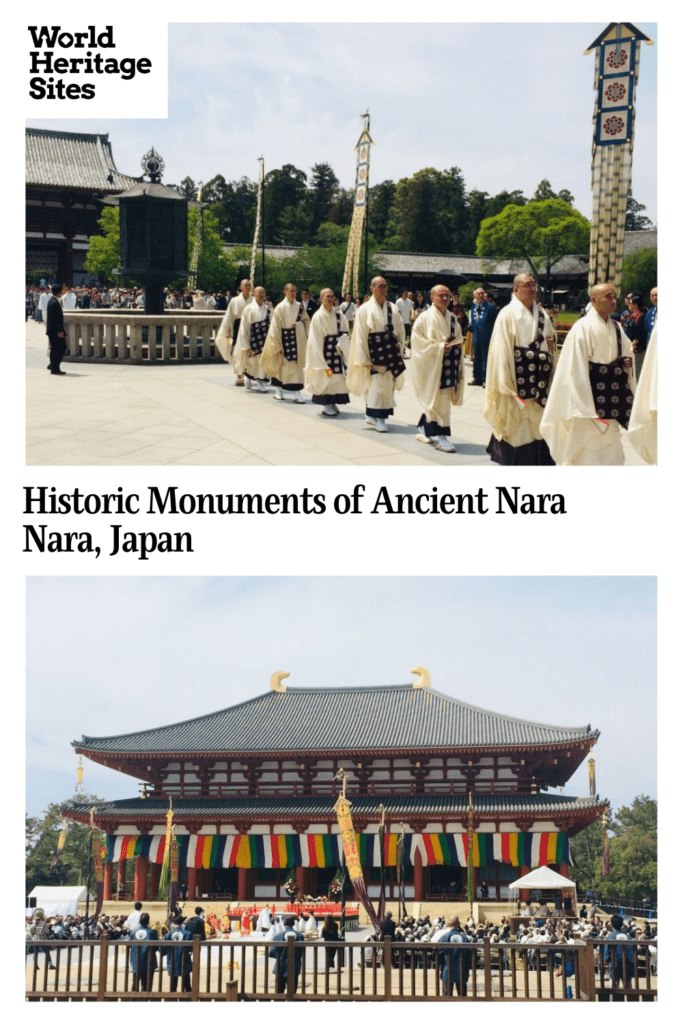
129, 336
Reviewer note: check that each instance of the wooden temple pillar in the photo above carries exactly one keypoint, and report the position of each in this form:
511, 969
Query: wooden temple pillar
140, 878
108, 872
419, 873
246, 880
306, 880
191, 883
524, 894
154, 879
120, 876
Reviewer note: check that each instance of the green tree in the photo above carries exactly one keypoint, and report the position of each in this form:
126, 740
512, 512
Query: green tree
380, 201
496, 204
323, 187
536, 235
428, 213
635, 219
104, 251
342, 207
632, 837
283, 187
295, 225
544, 190
639, 272
467, 291
216, 268
189, 188
42, 833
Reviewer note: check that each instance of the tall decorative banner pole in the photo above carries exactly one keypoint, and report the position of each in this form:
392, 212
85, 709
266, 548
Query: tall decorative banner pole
470, 852
381, 830
257, 228
198, 241
345, 822
360, 204
617, 60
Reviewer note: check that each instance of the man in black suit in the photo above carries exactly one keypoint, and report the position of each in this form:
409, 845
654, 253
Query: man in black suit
310, 305
55, 330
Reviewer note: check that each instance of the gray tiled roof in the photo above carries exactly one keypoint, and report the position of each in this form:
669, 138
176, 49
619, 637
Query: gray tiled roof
473, 266
634, 240
72, 160
345, 719
322, 807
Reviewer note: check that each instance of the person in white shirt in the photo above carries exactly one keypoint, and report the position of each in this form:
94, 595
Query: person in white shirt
405, 306
133, 919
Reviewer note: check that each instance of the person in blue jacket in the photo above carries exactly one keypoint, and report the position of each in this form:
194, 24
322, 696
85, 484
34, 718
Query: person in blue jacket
179, 958
143, 959
482, 318
280, 955
455, 961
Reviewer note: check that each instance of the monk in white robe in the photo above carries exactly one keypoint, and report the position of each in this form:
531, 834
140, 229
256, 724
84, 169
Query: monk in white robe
437, 369
594, 381
284, 356
376, 367
642, 429
251, 339
518, 378
326, 354
230, 325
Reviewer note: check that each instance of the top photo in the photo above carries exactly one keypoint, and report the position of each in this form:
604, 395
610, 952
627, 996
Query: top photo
353, 244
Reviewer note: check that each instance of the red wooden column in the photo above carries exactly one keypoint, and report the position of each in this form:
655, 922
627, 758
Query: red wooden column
524, 894
154, 879
140, 879
120, 875
108, 871
191, 883
418, 871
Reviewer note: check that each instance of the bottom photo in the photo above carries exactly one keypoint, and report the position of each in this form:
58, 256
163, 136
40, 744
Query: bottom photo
341, 788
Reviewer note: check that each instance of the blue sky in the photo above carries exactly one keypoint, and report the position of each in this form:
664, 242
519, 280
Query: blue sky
509, 104
112, 655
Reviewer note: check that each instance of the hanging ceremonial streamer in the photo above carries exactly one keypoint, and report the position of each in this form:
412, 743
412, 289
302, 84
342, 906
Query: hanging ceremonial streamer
60, 847
522, 849
591, 775
343, 809
617, 62
257, 229
99, 853
164, 853
360, 204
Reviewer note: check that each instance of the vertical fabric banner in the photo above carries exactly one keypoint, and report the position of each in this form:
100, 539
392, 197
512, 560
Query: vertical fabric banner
343, 809
617, 62
99, 851
259, 214
591, 776
360, 203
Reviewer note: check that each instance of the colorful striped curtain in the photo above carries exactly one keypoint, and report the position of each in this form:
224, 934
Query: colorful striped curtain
528, 849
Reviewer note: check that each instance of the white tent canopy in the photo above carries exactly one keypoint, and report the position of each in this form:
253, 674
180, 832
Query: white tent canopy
543, 878
59, 899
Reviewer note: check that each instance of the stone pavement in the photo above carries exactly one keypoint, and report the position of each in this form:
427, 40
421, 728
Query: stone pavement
103, 414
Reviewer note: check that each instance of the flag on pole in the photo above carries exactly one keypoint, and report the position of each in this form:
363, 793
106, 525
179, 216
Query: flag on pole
257, 229
617, 62
345, 822
360, 205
